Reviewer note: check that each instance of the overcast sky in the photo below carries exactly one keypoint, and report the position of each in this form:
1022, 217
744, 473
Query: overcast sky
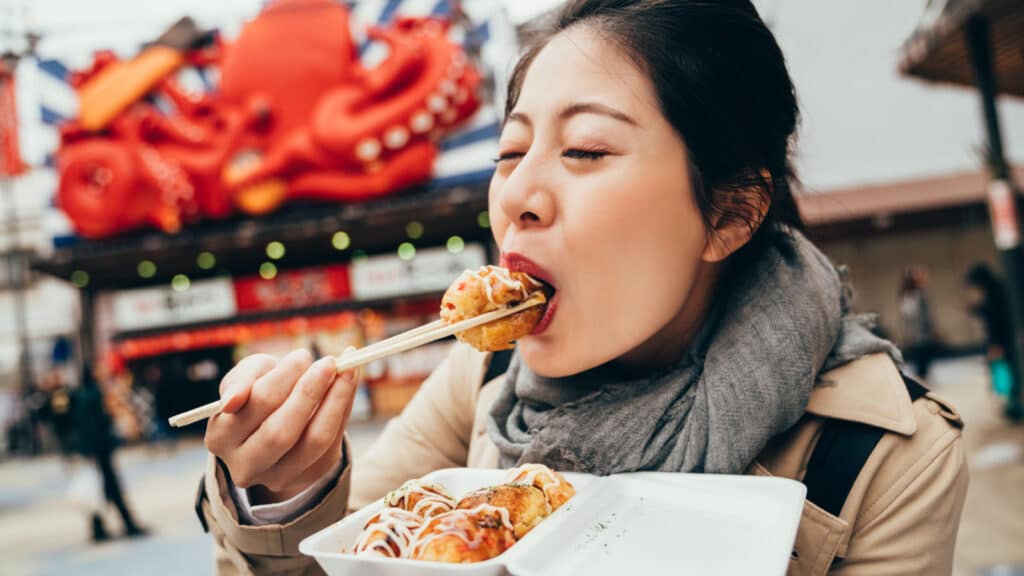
863, 122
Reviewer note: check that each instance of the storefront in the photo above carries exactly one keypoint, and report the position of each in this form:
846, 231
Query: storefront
168, 308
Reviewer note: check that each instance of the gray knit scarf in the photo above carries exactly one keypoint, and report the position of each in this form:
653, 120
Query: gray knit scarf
746, 377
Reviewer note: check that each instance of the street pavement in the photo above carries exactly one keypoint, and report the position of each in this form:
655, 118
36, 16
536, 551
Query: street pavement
42, 532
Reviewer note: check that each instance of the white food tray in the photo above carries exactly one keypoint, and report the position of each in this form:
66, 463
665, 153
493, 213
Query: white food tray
643, 523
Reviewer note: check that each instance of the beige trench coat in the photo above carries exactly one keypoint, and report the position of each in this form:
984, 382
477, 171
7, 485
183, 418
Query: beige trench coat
900, 517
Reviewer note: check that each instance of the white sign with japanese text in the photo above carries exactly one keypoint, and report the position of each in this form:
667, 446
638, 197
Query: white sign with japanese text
431, 270
163, 306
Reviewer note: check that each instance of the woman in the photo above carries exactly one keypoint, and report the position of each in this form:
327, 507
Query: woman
643, 172
919, 340
95, 439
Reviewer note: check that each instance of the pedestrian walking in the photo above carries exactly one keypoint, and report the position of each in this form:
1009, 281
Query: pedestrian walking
94, 439
920, 342
989, 301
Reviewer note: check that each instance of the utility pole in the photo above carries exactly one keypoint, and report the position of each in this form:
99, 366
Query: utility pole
1002, 199
17, 276
11, 166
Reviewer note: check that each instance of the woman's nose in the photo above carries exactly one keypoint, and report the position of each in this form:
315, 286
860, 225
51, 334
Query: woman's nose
526, 197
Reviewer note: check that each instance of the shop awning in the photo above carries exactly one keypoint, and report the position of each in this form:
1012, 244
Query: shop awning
938, 50
307, 232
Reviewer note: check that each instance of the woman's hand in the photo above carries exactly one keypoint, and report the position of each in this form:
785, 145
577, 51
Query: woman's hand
282, 426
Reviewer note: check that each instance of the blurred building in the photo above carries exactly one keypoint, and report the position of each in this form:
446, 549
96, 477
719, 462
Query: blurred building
941, 223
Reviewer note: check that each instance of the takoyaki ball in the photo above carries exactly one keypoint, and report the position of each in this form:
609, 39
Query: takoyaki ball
487, 289
423, 499
464, 536
557, 489
526, 504
388, 533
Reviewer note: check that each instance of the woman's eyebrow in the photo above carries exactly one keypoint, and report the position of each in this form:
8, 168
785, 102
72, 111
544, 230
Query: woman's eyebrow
595, 108
519, 117
578, 108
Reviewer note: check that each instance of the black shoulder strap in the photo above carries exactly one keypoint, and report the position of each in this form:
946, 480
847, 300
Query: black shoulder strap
498, 365
839, 455
200, 496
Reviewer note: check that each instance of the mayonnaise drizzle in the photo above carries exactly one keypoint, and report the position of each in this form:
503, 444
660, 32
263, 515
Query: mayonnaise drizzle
447, 524
433, 498
516, 475
399, 528
504, 276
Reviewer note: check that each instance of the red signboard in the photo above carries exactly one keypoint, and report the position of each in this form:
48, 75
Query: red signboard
226, 335
293, 289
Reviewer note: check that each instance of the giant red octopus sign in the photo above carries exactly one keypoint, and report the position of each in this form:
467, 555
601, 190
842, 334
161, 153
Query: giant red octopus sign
296, 116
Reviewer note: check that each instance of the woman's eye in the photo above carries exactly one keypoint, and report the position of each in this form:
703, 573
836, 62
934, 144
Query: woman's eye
580, 154
508, 156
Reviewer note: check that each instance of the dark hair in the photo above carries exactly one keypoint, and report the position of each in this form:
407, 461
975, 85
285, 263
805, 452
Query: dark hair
722, 83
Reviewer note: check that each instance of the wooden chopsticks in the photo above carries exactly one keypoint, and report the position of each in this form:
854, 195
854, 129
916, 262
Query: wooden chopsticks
399, 343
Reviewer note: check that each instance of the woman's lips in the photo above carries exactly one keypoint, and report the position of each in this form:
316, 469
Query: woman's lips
519, 263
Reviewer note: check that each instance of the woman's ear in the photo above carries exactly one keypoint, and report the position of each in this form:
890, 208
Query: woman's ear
737, 214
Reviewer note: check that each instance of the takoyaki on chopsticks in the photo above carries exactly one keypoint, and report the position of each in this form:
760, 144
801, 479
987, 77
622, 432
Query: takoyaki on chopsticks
491, 288
489, 308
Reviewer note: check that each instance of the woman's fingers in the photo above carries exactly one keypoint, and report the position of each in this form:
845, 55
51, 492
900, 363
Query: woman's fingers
237, 383
280, 431
236, 386
322, 433
270, 391
265, 389
283, 422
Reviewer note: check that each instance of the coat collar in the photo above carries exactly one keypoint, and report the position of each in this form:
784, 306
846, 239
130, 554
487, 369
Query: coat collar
869, 390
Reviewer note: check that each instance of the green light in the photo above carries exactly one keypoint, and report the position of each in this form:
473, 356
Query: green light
180, 283
483, 219
206, 260
275, 250
80, 278
414, 230
146, 269
406, 251
359, 254
340, 240
268, 271
456, 244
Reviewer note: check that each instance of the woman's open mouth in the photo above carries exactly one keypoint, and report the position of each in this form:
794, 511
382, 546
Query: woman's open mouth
520, 263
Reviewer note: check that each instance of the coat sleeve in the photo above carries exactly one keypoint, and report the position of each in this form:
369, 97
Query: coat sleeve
432, 433
273, 548
916, 532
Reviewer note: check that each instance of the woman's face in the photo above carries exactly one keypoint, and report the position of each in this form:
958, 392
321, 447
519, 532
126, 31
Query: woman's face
592, 194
